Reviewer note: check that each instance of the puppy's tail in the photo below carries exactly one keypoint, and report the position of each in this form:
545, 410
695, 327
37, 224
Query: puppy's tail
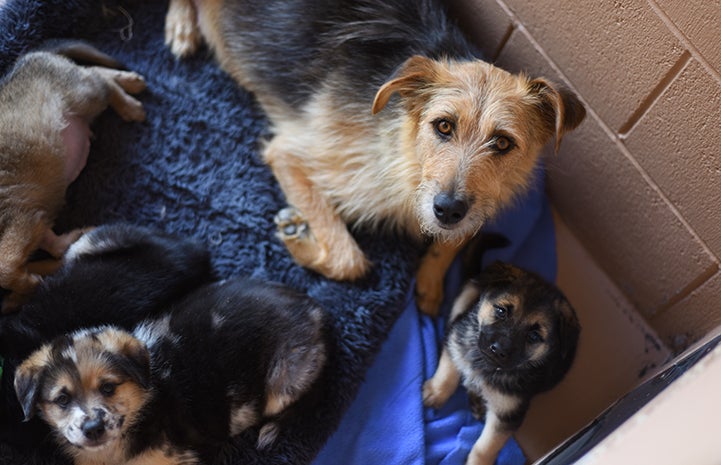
80, 52
267, 435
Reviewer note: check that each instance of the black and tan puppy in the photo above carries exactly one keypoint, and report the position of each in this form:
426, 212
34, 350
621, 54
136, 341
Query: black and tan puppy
382, 118
230, 356
511, 335
47, 103
115, 274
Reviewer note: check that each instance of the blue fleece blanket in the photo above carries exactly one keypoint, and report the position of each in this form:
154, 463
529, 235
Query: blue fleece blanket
194, 168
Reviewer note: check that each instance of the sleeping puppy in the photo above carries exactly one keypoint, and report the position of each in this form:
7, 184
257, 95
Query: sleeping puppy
382, 119
115, 274
47, 103
511, 336
230, 356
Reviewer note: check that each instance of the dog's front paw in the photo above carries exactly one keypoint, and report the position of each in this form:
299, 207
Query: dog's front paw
433, 394
429, 297
294, 231
181, 29
291, 225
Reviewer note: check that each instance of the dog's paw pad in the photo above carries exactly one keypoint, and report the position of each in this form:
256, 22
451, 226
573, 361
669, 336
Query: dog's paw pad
291, 224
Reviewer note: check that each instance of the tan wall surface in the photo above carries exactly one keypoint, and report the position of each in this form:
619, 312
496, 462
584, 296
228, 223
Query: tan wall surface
639, 182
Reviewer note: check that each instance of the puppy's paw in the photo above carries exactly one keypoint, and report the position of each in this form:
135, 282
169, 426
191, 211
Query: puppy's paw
131, 110
130, 81
181, 29
433, 394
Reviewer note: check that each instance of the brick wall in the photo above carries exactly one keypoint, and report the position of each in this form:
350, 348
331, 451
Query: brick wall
639, 182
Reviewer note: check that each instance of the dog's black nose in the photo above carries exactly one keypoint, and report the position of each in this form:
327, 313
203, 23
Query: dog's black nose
93, 428
498, 351
448, 208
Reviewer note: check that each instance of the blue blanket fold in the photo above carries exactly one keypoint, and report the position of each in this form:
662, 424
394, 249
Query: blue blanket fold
194, 168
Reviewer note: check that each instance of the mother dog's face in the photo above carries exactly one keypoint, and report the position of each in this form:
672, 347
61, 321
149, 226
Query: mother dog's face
88, 386
477, 132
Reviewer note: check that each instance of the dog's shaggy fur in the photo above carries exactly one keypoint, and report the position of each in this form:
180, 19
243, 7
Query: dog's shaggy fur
459, 141
230, 356
115, 274
47, 103
511, 336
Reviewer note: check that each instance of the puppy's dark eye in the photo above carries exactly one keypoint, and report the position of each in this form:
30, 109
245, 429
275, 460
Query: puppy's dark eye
501, 312
107, 389
62, 400
444, 128
534, 337
502, 144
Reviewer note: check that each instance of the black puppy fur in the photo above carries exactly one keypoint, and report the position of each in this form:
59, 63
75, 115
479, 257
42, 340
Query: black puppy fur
132, 273
228, 357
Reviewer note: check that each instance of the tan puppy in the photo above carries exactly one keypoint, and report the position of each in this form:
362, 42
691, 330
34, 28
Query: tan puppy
47, 103
382, 118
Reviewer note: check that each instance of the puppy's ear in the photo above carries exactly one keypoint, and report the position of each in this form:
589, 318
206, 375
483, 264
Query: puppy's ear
569, 329
414, 75
28, 380
560, 108
138, 362
131, 355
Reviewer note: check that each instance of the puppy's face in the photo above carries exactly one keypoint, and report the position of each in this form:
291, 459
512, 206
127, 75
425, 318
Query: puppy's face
521, 330
89, 387
477, 132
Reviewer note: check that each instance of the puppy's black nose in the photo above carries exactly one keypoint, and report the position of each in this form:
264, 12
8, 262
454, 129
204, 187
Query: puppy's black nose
93, 428
448, 208
498, 351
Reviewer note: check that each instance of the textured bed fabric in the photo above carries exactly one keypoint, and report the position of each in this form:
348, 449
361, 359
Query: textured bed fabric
193, 168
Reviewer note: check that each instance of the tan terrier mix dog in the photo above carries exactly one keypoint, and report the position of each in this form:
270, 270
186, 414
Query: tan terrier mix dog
47, 103
382, 119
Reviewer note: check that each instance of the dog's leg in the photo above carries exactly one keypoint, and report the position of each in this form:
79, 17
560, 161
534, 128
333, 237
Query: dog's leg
120, 85
429, 279
182, 34
438, 389
489, 444
311, 230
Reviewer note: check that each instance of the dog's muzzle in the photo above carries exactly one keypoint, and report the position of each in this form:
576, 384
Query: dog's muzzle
449, 209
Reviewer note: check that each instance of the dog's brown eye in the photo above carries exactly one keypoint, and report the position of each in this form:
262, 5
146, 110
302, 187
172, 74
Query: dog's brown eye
107, 389
501, 312
62, 400
444, 128
502, 144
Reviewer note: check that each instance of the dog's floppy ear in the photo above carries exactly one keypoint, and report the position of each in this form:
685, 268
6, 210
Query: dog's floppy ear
138, 366
28, 378
569, 329
413, 75
131, 355
560, 108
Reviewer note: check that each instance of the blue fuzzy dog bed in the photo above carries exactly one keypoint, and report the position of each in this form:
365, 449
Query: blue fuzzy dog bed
193, 168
